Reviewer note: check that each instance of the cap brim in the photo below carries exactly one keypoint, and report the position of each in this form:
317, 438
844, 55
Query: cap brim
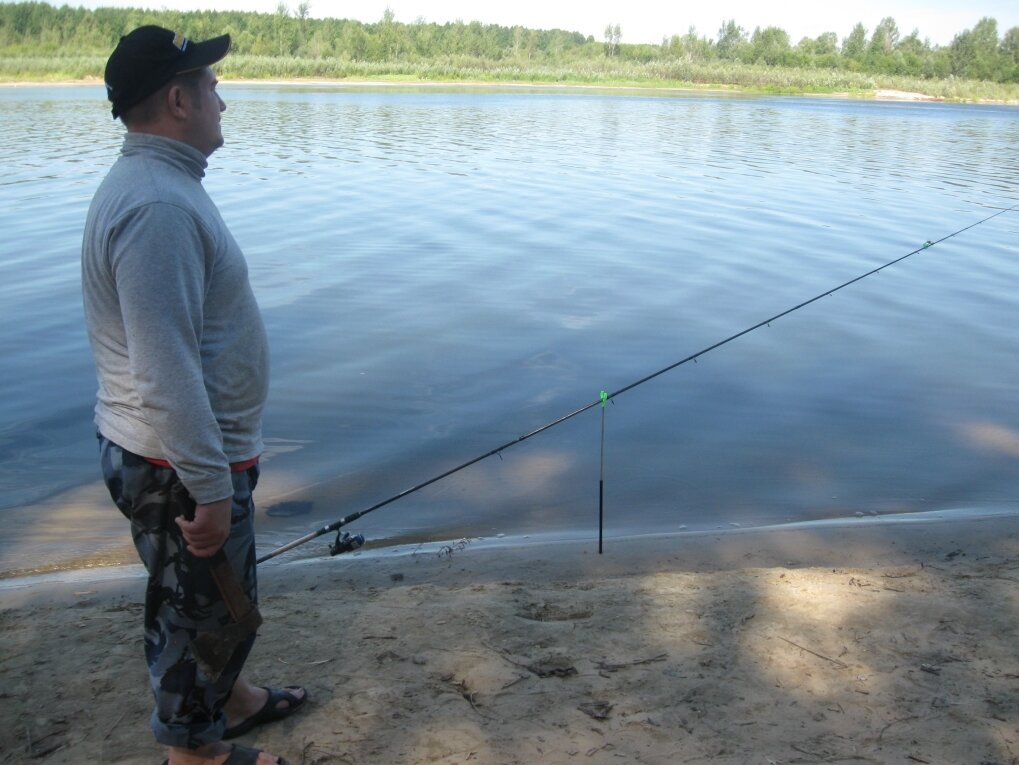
205, 53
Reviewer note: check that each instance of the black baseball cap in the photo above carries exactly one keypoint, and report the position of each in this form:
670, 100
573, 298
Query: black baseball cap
149, 57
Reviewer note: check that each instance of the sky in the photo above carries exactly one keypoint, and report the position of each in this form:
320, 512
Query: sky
647, 20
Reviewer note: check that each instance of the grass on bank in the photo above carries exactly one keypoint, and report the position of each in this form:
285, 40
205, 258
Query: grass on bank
670, 73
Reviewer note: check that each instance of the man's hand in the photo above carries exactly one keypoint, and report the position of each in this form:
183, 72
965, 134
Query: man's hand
209, 530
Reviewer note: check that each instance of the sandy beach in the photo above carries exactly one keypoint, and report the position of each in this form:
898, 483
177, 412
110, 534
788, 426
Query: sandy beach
875, 642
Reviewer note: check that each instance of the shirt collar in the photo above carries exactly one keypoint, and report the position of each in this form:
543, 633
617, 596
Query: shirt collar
181, 155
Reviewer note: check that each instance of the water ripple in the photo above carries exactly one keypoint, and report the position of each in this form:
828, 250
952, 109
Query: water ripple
443, 270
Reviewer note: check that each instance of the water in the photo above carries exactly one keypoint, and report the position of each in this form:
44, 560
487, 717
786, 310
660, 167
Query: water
443, 270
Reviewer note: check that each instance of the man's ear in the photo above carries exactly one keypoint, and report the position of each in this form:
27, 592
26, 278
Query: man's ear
177, 101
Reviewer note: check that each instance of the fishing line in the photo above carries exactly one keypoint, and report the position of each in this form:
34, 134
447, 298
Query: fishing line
346, 542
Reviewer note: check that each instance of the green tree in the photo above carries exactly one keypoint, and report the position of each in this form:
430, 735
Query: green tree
353, 41
1010, 55
913, 54
44, 32
854, 47
389, 42
826, 44
881, 56
523, 43
769, 46
974, 52
283, 31
885, 37
732, 40
690, 46
613, 37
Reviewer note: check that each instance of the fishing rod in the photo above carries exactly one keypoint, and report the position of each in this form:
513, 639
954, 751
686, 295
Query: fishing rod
345, 542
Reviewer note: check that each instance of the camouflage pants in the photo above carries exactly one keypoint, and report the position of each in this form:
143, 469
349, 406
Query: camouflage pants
181, 599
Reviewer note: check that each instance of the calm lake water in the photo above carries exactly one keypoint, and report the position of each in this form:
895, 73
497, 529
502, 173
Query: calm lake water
443, 270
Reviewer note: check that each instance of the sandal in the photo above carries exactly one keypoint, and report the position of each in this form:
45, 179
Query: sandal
242, 755
270, 711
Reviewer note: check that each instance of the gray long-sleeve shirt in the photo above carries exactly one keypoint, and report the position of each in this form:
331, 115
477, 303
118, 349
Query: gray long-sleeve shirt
180, 349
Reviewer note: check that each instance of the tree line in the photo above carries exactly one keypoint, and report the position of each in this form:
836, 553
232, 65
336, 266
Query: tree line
37, 29
979, 53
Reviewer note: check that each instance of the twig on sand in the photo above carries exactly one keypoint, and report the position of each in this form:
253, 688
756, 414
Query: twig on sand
448, 551
312, 754
114, 726
836, 662
504, 654
511, 683
608, 667
895, 722
469, 696
37, 754
551, 666
824, 757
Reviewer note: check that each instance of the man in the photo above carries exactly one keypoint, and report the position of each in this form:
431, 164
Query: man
182, 363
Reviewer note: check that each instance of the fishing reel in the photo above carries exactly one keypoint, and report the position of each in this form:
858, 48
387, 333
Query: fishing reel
346, 543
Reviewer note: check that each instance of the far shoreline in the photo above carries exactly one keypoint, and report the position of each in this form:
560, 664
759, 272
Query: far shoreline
878, 94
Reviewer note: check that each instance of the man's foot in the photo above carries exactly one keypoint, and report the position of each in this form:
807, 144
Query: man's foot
250, 706
222, 754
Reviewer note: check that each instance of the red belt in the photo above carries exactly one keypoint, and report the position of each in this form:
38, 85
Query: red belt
235, 467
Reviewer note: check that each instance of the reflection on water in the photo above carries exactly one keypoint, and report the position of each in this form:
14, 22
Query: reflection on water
444, 270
